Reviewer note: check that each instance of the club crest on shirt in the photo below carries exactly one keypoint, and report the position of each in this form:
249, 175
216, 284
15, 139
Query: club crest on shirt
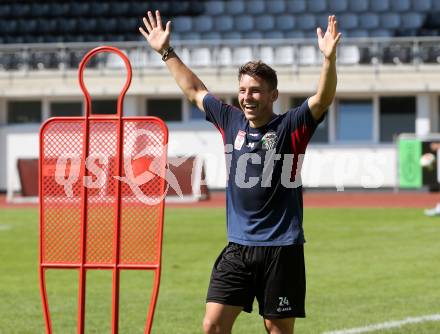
239, 140
269, 140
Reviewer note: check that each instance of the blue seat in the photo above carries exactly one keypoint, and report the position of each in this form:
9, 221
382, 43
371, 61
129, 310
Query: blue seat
211, 36
381, 33
20, 10
182, 24
369, 21
276, 7
202, 23
306, 22
273, 34
252, 35
5, 10
322, 21
390, 21
421, 5
317, 6
338, 6
191, 36
79, 9
400, 5
122, 9
40, 9
99, 8
243, 23
357, 33
379, 5
59, 9
27, 26
285, 22
348, 21
214, 8
412, 20
234, 7
223, 23
358, 6
255, 7
46, 26
295, 34
297, 6
265, 22
231, 35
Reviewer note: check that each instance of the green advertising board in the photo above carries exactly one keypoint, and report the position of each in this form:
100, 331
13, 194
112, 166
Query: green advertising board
410, 171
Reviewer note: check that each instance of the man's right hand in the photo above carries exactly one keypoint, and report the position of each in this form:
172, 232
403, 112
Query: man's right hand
158, 38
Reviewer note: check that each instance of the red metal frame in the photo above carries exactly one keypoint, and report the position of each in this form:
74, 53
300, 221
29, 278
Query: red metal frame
83, 265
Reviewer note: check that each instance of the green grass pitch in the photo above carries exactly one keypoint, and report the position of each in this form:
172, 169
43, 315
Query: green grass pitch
364, 266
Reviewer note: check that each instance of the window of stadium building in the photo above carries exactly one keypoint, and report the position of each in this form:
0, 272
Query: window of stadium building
397, 115
66, 108
321, 133
170, 110
24, 112
354, 121
104, 107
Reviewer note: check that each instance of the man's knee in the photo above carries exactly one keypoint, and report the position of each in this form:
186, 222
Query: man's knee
212, 327
280, 326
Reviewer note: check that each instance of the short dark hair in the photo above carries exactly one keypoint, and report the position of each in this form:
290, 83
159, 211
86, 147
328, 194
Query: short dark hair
261, 70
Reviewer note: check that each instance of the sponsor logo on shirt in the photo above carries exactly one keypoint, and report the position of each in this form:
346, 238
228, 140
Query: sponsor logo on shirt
269, 140
239, 140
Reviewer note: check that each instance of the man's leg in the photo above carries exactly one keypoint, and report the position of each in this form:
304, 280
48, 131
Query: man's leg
220, 318
279, 326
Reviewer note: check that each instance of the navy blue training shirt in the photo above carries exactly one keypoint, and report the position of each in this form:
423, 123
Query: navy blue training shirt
264, 202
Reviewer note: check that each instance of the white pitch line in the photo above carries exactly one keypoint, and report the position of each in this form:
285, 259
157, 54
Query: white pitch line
387, 325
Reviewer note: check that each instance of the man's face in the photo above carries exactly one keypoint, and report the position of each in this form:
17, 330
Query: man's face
256, 98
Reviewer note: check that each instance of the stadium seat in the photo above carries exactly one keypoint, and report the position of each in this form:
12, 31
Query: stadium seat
321, 21
241, 55
255, 7
358, 6
347, 21
99, 8
20, 10
381, 33
400, 5
284, 55
412, 20
252, 35
231, 35
200, 57
243, 23
349, 55
122, 9
214, 8
202, 23
306, 22
224, 56
295, 34
223, 23
266, 54
390, 21
369, 21
46, 26
307, 55
79, 9
396, 54
211, 35
285, 22
380, 5
182, 24
421, 5
59, 10
5, 10
316, 6
40, 9
273, 34
234, 7
357, 33
27, 26
296, 6
190, 36
265, 22
276, 7
138, 58
338, 6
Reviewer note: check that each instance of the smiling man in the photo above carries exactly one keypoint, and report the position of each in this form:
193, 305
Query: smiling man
264, 258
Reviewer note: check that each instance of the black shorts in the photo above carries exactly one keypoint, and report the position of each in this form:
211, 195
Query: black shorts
274, 275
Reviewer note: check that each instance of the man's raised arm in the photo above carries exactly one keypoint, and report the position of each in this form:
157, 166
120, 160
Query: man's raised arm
325, 94
159, 40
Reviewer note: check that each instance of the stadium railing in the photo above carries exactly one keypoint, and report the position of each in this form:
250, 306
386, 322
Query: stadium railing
372, 52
